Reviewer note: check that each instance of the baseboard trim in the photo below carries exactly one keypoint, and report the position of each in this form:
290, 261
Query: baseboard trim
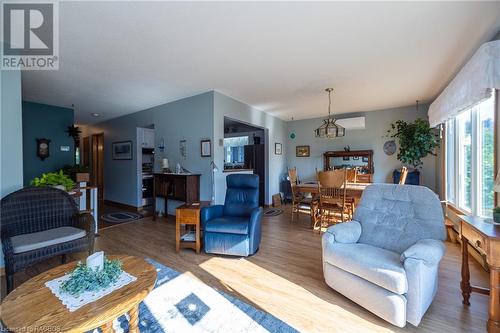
122, 206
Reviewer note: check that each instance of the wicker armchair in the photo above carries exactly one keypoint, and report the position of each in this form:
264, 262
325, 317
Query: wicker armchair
38, 223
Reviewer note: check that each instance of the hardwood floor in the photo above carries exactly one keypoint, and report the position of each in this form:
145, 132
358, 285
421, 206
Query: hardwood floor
285, 277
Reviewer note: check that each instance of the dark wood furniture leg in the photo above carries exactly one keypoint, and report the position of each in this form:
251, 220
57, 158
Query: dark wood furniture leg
494, 308
198, 238
465, 283
177, 236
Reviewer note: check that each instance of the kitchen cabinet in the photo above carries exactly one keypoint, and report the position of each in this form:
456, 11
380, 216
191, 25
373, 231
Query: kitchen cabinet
147, 137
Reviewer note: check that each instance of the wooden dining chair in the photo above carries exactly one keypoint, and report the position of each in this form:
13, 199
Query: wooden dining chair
352, 175
332, 195
292, 176
403, 175
301, 204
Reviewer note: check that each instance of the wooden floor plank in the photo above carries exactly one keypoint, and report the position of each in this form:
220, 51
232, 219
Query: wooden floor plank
285, 277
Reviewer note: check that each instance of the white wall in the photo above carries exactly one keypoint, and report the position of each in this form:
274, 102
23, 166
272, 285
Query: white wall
372, 137
225, 106
11, 136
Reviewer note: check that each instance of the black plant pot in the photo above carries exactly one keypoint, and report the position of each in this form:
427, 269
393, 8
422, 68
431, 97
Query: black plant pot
413, 177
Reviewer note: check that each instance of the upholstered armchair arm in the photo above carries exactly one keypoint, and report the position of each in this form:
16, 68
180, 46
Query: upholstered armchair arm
209, 213
85, 221
255, 217
430, 251
255, 228
348, 232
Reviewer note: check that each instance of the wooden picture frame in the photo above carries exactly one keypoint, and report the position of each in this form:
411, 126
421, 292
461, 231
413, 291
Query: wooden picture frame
206, 148
278, 148
303, 151
122, 150
42, 148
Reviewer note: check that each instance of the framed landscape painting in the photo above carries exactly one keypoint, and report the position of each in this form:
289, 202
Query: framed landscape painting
122, 150
303, 151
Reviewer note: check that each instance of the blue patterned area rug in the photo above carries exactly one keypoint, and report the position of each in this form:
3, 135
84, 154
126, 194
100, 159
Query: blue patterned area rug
182, 303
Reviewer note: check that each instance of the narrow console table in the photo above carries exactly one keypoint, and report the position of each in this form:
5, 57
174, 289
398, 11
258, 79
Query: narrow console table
486, 237
183, 187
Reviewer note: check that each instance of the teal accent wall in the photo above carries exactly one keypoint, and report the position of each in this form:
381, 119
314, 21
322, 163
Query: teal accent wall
11, 166
50, 122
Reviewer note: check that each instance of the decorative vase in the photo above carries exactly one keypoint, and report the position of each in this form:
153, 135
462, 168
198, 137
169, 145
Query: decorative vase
496, 217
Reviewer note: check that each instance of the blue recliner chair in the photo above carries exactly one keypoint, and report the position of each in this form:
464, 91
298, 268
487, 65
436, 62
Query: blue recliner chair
235, 227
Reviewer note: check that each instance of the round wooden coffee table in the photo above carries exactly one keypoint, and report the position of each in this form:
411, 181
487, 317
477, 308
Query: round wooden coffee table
33, 308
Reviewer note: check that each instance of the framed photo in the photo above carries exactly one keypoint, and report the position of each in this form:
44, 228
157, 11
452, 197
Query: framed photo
278, 148
302, 151
183, 149
122, 150
206, 148
42, 148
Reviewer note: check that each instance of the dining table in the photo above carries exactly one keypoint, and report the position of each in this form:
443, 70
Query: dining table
353, 190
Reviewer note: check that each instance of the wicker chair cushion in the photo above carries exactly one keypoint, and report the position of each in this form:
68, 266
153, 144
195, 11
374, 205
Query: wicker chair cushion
37, 240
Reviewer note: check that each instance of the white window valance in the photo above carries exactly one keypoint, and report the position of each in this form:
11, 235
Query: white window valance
471, 85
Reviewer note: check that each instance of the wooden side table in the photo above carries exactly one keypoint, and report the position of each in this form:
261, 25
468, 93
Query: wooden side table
486, 237
189, 215
32, 307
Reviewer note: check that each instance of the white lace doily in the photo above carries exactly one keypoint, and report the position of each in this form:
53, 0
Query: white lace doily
74, 303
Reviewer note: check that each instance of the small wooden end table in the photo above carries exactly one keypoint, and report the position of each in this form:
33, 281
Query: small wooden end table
189, 215
32, 307
486, 237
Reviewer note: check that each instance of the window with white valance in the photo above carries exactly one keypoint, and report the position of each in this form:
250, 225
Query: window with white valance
472, 85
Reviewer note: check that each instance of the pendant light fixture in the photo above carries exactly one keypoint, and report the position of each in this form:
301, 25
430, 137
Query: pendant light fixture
329, 129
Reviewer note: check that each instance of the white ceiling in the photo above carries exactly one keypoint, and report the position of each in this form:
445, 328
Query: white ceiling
121, 57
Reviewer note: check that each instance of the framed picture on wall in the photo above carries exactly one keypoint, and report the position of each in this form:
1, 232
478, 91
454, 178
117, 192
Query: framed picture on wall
206, 148
122, 150
42, 148
302, 151
278, 148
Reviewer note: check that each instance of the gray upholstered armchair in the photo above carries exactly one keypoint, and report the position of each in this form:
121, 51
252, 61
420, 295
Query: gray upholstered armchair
387, 258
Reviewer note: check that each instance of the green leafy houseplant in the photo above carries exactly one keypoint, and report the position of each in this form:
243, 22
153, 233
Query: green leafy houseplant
496, 214
416, 141
77, 168
84, 278
53, 179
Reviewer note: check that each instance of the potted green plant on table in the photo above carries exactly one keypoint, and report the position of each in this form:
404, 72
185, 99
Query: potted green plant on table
416, 140
54, 179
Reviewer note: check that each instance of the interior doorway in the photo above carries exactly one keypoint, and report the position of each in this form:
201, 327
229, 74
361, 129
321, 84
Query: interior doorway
245, 151
97, 170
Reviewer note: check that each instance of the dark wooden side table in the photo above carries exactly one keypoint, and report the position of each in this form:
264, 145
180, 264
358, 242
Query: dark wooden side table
485, 236
189, 215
